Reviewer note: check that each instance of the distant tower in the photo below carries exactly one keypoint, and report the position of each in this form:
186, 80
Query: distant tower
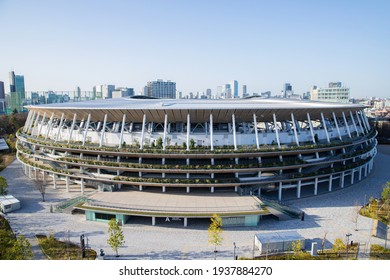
234, 88
287, 90
244, 91
2, 91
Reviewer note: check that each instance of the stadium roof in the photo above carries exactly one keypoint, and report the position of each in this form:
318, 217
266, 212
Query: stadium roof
199, 109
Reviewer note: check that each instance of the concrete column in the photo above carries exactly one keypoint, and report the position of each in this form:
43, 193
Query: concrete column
86, 128
103, 131
72, 127
325, 128
29, 172
337, 125
28, 120
346, 125
140, 188
41, 125
234, 132
59, 128
54, 181
295, 129
153, 221
280, 191
122, 130
188, 133
311, 128
299, 189
330, 182
49, 126
212, 189
82, 186
342, 180
35, 125
187, 189
276, 131
164, 189
256, 132
185, 221
352, 175
360, 123
211, 133
362, 120
67, 183
366, 120
354, 124
31, 122
360, 173
316, 186
165, 132
143, 132
365, 169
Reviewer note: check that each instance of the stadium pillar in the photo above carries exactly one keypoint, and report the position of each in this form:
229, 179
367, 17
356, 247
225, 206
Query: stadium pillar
363, 121
366, 120
122, 130
325, 128
35, 125
299, 189
82, 186
140, 187
67, 183
295, 129
346, 125
187, 189
185, 221
211, 133
354, 124
188, 134
276, 130
41, 125
316, 186
103, 131
86, 128
234, 131
330, 182
360, 123
352, 175
26, 124
54, 181
72, 127
60, 128
280, 191
153, 221
342, 180
143, 132
337, 125
165, 132
360, 172
212, 189
164, 189
31, 122
256, 132
50, 124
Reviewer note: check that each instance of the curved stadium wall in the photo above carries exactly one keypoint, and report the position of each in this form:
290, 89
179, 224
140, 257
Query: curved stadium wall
251, 146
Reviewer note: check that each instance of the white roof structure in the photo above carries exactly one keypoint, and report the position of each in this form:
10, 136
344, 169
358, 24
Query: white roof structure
3, 144
8, 200
199, 109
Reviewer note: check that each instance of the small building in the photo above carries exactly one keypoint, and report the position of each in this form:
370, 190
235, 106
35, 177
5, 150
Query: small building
275, 242
3, 145
8, 203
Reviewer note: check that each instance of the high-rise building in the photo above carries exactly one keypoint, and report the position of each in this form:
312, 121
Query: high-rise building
208, 93
17, 92
107, 91
77, 94
98, 90
234, 89
335, 92
2, 98
122, 92
287, 90
161, 89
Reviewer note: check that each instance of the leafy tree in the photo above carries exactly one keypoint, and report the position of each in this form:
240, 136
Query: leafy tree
386, 192
339, 245
116, 238
40, 185
3, 186
215, 233
192, 143
21, 249
159, 142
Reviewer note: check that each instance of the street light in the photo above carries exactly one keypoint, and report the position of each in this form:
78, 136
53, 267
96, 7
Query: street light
348, 235
234, 250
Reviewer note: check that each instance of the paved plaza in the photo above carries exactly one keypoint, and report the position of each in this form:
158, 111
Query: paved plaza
331, 214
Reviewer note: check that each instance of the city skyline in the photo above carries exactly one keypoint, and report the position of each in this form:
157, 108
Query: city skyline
199, 45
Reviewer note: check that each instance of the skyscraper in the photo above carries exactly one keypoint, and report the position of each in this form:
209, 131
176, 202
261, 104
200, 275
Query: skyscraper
2, 91
161, 89
234, 88
17, 92
107, 91
335, 92
244, 91
287, 90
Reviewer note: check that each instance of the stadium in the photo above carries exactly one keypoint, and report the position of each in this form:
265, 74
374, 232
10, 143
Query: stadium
185, 158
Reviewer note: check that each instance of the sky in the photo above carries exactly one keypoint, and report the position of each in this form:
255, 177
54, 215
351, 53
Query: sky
199, 44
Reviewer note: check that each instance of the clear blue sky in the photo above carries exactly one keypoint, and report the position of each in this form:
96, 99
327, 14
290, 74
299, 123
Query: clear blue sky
198, 44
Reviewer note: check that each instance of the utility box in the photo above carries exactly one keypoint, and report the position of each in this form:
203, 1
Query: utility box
8, 203
275, 242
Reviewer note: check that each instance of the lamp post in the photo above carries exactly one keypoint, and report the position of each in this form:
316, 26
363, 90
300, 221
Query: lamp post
347, 235
234, 250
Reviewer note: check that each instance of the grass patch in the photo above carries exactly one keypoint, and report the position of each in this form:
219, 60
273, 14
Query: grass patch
6, 159
379, 253
58, 250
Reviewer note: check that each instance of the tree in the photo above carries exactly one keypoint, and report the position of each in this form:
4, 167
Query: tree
356, 213
116, 238
192, 143
323, 242
40, 185
21, 249
386, 192
338, 246
215, 233
3, 186
159, 142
